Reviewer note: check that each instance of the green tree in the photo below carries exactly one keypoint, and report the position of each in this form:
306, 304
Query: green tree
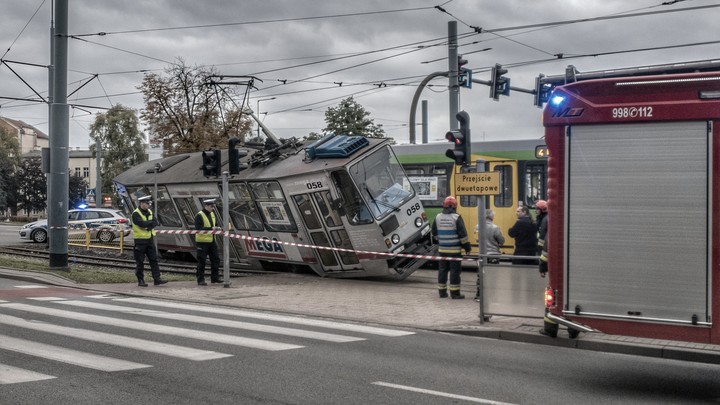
9, 162
187, 113
76, 190
122, 144
32, 185
350, 118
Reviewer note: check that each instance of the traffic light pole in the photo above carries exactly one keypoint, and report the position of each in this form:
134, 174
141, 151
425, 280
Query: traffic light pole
453, 86
482, 246
226, 228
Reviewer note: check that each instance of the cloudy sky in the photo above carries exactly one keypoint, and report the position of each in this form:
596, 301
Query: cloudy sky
310, 54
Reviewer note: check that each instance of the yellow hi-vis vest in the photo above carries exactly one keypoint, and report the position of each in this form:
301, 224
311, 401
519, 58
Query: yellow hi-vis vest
142, 233
206, 237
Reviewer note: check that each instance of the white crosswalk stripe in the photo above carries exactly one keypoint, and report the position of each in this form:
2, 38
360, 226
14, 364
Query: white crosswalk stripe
329, 337
14, 375
167, 349
371, 330
70, 356
155, 328
111, 304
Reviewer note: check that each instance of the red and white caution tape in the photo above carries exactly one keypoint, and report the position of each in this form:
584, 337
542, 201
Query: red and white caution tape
304, 245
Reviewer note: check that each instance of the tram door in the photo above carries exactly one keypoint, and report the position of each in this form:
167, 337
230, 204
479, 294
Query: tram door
325, 227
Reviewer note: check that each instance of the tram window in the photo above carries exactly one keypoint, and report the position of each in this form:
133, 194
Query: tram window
275, 211
187, 209
505, 198
380, 179
341, 240
535, 184
243, 212
306, 211
165, 209
355, 209
322, 199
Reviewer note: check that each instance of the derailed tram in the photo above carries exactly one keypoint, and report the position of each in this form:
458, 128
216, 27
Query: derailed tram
345, 194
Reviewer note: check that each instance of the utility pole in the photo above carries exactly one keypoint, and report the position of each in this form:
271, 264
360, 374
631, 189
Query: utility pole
98, 175
453, 85
58, 178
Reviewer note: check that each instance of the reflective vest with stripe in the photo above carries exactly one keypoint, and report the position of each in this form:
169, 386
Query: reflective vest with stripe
142, 233
206, 237
448, 239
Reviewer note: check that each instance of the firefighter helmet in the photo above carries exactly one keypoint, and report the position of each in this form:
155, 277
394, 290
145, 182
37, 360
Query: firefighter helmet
450, 201
541, 205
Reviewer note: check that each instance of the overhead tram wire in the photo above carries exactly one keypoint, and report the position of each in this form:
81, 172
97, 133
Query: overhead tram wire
22, 30
280, 20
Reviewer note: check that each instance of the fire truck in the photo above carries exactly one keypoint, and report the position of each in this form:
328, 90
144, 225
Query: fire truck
633, 192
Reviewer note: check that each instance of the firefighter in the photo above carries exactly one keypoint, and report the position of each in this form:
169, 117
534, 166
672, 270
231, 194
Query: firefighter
541, 208
550, 328
451, 235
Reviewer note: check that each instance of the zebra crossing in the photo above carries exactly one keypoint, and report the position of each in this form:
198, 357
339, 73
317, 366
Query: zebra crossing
52, 316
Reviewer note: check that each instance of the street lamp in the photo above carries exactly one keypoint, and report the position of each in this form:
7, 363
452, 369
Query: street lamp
258, 112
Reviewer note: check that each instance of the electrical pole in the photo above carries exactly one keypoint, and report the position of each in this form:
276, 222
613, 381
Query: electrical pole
453, 86
58, 179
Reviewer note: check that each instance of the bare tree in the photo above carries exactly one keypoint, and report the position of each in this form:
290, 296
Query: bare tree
186, 112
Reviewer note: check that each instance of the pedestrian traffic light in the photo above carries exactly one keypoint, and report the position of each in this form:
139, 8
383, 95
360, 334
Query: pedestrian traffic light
464, 75
212, 163
234, 156
499, 84
461, 140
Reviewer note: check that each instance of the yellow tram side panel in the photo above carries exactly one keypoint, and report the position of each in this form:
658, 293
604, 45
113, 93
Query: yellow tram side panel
504, 210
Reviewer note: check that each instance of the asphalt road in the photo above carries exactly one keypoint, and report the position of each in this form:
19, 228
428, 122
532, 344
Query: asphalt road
226, 356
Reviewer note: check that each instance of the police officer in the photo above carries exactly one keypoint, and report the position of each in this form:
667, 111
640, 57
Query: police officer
449, 230
205, 221
143, 225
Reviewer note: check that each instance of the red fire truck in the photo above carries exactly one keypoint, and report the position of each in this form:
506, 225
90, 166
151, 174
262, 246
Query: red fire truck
634, 192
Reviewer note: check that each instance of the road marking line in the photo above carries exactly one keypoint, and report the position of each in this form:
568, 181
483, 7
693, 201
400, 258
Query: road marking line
46, 298
441, 394
166, 349
273, 317
328, 337
155, 328
70, 356
31, 286
101, 296
13, 375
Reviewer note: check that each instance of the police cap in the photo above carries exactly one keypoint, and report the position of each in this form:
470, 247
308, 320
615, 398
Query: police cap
209, 201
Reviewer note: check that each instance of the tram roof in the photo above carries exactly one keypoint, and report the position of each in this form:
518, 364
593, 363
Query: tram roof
187, 167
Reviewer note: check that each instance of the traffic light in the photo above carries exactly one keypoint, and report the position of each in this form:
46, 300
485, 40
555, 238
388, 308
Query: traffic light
212, 163
542, 91
499, 84
234, 156
461, 140
464, 75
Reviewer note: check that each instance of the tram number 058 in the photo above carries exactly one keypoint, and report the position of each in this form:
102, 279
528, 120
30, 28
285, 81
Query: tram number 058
314, 185
413, 209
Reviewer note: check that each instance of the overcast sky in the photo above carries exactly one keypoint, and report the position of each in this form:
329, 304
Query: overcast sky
398, 43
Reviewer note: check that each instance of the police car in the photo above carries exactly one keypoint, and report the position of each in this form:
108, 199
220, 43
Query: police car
105, 225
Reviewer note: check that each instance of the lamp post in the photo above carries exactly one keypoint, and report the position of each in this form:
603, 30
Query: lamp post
258, 111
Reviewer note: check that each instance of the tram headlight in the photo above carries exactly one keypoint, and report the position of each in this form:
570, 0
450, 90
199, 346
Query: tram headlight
418, 222
388, 243
395, 239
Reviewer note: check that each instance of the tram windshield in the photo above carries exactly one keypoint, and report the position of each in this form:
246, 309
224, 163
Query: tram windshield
380, 179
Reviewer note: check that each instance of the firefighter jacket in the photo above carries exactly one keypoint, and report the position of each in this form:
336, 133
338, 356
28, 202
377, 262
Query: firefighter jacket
449, 230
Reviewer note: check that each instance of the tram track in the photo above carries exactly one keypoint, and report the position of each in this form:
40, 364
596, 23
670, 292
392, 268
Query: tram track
117, 263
